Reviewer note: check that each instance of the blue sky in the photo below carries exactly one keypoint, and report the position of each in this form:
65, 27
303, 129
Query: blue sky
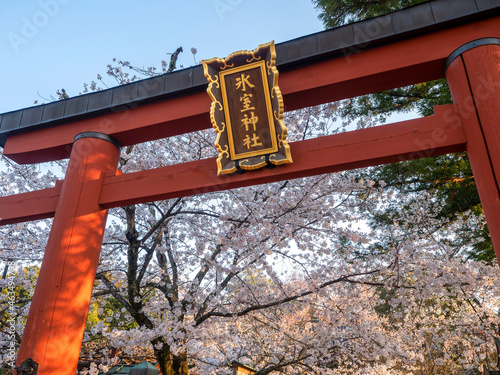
47, 45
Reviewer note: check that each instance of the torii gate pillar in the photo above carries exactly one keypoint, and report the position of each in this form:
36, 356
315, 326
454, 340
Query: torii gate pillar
473, 73
58, 312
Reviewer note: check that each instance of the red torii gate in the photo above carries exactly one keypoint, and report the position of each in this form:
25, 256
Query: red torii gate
383, 53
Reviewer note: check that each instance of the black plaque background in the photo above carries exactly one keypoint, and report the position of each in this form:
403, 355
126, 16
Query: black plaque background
235, 105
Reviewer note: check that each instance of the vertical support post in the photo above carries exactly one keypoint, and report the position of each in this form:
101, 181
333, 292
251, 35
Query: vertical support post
473, 74
58, 312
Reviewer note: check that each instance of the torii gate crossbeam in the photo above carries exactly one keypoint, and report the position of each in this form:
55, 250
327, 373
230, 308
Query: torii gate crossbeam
424, 137
88, 131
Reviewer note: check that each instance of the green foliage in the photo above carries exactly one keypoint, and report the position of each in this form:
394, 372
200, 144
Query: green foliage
449, 177
339, 12
23, 296
384, 308
111, 313
377, 107
449, 180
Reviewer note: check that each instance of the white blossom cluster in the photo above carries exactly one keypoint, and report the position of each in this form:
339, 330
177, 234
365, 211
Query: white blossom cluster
286, 277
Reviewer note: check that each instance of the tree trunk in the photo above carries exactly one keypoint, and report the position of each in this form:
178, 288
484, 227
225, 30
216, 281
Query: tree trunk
170, 364
163, 357
180, 364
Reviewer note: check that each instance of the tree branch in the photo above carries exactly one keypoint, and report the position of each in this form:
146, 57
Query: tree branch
243, 312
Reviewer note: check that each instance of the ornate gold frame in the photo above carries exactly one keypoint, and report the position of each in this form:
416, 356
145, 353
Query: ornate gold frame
215, 69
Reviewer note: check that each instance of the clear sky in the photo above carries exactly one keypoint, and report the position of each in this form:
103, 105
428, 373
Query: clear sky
47, 45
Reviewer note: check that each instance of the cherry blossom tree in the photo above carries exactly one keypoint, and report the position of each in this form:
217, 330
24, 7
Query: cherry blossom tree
287, 277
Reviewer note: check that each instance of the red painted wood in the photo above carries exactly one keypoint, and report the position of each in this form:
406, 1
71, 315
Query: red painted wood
410, 61
483, 72
134, 125
428, 136
30, 206
474, 80
58, 312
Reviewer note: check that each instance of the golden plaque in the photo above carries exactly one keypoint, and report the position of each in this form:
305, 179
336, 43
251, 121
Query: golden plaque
247, 110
